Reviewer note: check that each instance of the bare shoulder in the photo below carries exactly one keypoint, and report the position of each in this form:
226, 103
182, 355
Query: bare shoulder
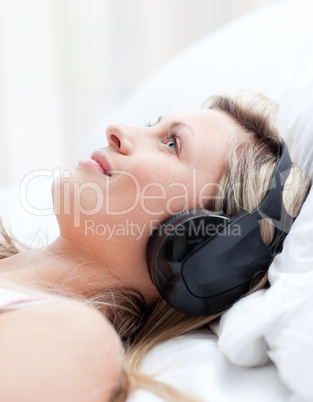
63, 350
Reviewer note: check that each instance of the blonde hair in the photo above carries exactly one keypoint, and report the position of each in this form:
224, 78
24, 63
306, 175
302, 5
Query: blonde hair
250, 166
252, 161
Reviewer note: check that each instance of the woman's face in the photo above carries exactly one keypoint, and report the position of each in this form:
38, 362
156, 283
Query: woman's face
112, 202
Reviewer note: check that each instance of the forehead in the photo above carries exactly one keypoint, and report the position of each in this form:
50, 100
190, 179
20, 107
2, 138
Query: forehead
202, 118
205, 124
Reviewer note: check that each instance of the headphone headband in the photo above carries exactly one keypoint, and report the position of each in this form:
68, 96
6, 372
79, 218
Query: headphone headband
272, 206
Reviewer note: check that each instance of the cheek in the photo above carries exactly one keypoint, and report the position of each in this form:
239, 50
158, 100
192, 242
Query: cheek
152, 200
177, 198
122, 194
207, 185
166, 195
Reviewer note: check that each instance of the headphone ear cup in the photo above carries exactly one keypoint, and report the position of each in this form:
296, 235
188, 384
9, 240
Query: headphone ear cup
180, 234
159, 231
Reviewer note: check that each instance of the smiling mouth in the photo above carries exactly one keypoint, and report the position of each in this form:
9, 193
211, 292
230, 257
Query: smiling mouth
101, 160
98, 162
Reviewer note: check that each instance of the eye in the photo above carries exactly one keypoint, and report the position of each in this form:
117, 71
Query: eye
172, 141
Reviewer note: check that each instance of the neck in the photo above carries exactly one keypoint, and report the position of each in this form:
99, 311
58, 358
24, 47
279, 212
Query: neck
58, 268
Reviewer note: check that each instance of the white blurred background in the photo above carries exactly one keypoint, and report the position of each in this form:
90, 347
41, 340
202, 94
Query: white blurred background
64, 64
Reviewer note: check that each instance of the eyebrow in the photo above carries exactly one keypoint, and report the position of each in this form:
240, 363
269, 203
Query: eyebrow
174, 124
158, 121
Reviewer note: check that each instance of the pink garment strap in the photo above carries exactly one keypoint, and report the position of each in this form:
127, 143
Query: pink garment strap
11, 299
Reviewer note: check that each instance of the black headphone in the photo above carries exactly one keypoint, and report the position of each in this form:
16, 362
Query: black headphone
202, 262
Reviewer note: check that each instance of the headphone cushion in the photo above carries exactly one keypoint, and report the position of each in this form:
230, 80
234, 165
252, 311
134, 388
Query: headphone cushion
160, 230
167, 227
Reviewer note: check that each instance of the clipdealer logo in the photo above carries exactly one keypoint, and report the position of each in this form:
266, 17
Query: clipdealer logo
68, 195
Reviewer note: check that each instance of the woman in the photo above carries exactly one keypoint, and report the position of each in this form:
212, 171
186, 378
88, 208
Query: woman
220, 158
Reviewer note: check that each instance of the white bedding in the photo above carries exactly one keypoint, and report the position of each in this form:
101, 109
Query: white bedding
195, 364
269, 51
277, 324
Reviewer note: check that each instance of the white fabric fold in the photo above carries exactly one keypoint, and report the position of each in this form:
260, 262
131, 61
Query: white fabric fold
278, 323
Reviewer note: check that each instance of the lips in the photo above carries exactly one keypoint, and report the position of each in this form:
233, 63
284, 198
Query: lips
101, 159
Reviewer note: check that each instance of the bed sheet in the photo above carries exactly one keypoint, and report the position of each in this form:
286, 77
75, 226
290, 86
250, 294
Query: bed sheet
196, 365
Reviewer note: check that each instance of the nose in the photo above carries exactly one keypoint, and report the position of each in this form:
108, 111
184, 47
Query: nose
121, 137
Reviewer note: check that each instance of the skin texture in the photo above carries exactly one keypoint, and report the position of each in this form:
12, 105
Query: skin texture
60, 351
